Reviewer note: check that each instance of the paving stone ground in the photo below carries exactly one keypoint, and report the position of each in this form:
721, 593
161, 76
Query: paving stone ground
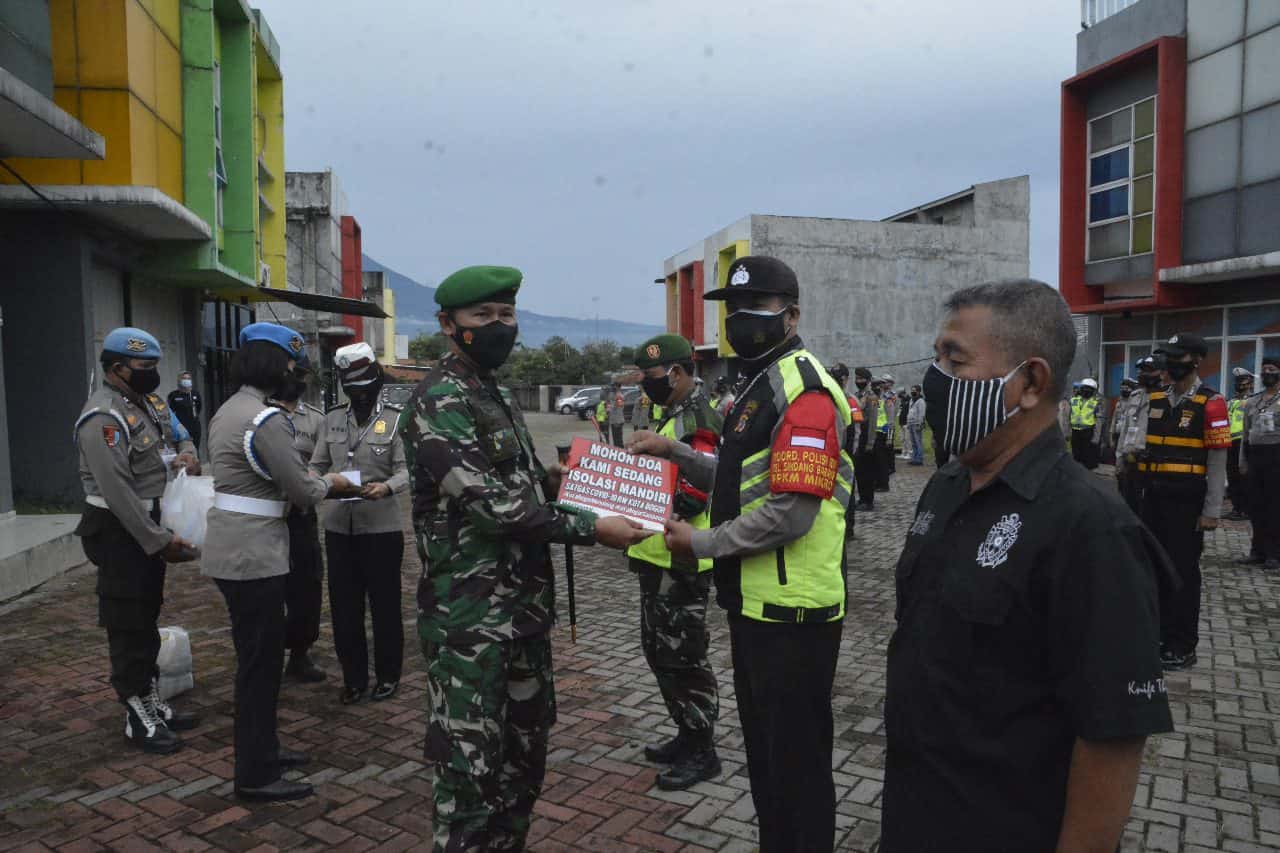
69, 781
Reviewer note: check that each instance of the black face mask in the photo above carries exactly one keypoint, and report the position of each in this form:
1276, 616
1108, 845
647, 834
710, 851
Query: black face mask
1179, 370
1243, 390
1086, 393
755, 334
1270, 379
1125, 392
657, 389
144, 380
1149, 381
861, 385
293, 387
488, 345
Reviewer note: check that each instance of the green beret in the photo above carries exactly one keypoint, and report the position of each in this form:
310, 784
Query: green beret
662, 349
470, 285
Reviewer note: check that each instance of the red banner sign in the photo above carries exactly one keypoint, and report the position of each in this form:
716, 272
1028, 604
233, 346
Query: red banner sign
610, 481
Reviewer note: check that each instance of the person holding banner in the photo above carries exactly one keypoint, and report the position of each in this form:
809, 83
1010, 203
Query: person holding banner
484, 521
674, 590
779, 492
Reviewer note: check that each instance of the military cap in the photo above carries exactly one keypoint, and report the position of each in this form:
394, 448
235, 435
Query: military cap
1182, 344
758, 274
282, 336
470, 285
663, 349
1128, 380
131, 342
357, 364
862, 372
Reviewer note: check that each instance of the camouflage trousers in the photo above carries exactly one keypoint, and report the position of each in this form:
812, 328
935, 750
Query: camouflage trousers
674, 636
490, 709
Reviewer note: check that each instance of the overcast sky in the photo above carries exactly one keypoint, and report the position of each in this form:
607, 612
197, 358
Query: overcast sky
585, 141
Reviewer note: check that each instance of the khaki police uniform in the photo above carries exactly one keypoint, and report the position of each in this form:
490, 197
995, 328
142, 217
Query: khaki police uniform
257, 473
304, 588
125, 443
1260, 454
364, 542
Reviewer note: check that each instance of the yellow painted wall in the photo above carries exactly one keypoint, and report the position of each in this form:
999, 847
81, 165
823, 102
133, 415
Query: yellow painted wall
268, 139
389, 326
117, 68
725, 259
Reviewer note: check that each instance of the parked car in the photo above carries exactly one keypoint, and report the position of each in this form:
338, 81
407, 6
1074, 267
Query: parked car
568, 404
587, 408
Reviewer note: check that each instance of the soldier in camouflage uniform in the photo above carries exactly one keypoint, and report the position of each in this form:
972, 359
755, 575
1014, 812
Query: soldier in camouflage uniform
674, 590
483, 521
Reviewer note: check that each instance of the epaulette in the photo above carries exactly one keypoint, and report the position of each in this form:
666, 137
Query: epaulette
249, 454
395, 407
312, 408
157, 402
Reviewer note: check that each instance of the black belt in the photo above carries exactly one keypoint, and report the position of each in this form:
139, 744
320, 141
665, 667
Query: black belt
799, 615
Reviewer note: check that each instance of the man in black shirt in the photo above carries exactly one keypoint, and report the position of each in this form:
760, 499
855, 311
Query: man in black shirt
1024, 675
186, 404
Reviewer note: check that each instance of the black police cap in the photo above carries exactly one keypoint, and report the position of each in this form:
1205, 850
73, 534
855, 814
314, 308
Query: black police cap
758, 274
1183, 343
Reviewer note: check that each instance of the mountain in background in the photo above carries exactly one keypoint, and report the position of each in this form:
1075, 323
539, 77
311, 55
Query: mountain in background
416, 312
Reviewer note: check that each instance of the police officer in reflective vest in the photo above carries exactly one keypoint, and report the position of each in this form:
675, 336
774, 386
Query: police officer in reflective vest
1237, 488
126, 441
840, 373
674, 590
1085, 425
781, 486
1184, 475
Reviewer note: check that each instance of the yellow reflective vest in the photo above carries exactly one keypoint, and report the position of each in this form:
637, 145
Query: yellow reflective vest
1084, 412
1235, 410
802, 581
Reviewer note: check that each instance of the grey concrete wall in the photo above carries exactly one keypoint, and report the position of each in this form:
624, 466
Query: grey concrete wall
872, 292
1129, 29
25, 39
43, 294
374, 285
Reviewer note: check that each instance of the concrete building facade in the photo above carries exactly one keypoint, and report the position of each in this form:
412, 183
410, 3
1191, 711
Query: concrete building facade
1170, 209
870, 291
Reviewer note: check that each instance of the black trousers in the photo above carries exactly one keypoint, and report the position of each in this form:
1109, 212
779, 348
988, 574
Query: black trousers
257, 630
130, 593
615, 432
304, 586
1264, 499
864, 474
884, 460
1083, 450
783, 676
1237, 483
1129, 482
1170, 510
366, 566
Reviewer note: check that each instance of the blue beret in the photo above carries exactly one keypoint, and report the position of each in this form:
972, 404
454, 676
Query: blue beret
132, 343
282, 336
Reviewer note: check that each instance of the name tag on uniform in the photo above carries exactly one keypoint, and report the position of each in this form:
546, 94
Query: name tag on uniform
1156, 413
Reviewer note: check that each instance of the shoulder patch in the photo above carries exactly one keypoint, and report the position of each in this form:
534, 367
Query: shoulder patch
111, 434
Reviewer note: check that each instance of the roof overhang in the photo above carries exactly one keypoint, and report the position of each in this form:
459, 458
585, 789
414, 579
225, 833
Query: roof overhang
336, 332
1230, 269
318, 302
141, 212
32, 125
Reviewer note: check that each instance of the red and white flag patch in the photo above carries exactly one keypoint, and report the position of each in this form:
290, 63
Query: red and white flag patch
111, 434
802, 437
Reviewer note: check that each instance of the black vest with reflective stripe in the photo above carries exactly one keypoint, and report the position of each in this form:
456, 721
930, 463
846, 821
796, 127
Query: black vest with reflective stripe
1175, 437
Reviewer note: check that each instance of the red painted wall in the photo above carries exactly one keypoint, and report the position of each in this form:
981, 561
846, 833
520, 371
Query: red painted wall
699, 306
352, 273
1169, 55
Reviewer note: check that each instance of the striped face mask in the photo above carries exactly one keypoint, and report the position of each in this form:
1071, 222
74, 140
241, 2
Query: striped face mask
962, 412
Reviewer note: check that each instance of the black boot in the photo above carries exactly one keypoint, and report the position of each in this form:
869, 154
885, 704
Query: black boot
277, 791
698, 764
669, 752
301, 668
177, 721
146, 731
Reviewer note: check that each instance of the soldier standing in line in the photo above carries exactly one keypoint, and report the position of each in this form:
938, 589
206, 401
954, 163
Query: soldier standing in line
121, 437
304, 585
484, 521
674, 590
865, 461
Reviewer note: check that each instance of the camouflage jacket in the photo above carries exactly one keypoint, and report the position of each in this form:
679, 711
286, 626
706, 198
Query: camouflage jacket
481, 514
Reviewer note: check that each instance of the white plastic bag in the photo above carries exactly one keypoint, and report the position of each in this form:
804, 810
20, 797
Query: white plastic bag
174, 662
186, 502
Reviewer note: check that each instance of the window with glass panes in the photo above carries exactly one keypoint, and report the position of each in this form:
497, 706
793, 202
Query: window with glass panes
1122, 155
